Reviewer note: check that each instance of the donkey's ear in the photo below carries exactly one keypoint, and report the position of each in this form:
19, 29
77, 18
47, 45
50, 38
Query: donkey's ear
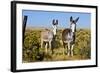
77, 19
71, 18
57, 22
53, 21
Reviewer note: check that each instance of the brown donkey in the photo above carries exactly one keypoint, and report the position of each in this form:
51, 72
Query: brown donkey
68, 36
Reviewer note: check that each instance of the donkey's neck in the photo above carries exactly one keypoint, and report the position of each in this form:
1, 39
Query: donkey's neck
72, 27
72, 32
54, 29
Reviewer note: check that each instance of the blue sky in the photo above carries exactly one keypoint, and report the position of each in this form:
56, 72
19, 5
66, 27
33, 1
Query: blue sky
44, 18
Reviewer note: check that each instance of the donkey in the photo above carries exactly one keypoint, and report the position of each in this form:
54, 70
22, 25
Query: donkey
47, 36
68, 36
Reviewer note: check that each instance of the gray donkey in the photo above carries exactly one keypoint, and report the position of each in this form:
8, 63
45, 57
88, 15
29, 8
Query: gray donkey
47, 36
68, 36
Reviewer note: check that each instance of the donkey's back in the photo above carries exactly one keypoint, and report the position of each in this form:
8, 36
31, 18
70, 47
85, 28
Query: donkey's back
46, 35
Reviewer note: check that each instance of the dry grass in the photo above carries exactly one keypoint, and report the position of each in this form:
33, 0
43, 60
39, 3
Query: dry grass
33, 37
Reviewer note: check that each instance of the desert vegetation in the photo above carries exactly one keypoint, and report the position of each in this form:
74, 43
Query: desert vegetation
32, 51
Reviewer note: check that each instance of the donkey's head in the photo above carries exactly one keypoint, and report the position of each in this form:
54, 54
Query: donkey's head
54, 23
73, 24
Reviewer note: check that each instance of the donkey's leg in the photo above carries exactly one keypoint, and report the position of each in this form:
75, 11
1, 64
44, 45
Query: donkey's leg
46, 46
41, 43
64, 48
50, 44
50, 47
72, 50
68, 49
